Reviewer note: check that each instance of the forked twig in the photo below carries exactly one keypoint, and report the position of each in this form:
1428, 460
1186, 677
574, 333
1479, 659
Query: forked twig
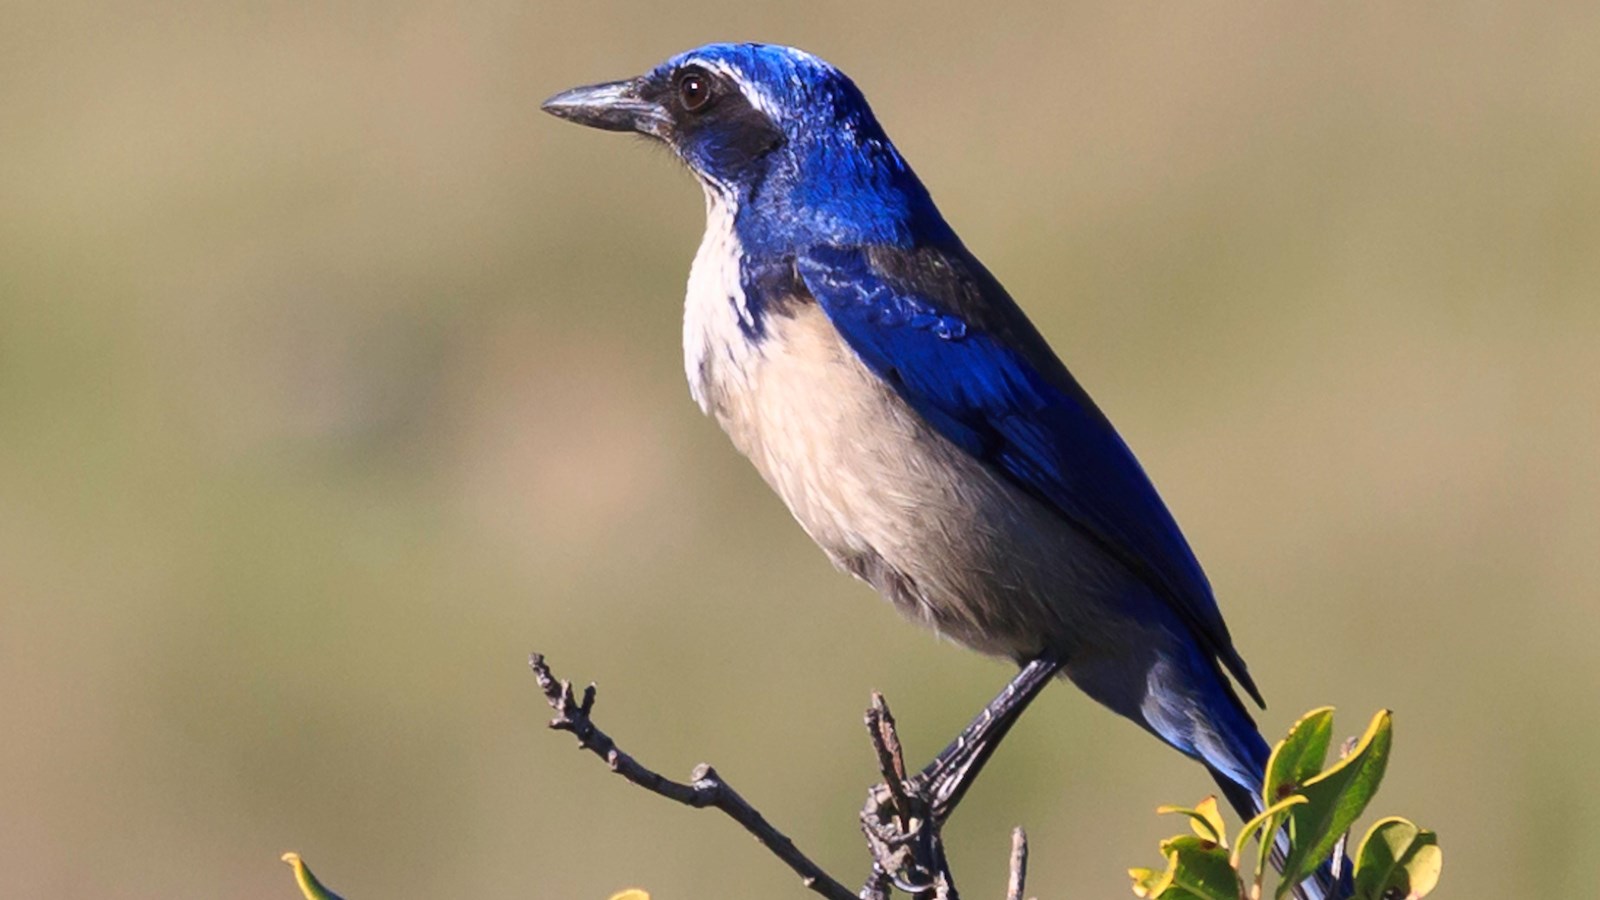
903, 815
707, 789
902, 834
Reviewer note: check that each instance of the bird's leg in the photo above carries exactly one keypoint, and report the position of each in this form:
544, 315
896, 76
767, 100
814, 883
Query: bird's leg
904, 815
945, 780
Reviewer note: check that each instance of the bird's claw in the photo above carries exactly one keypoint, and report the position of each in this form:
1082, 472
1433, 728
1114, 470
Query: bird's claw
902, 843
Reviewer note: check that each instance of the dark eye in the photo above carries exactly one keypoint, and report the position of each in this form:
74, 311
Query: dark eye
694, 89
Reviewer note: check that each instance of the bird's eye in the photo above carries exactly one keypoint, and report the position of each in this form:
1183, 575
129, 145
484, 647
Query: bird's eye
694, 89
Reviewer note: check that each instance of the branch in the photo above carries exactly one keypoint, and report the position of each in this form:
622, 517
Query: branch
902, 835
902, 819
706, 789
1018, 883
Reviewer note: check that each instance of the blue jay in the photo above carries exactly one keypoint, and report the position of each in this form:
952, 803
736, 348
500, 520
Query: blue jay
916, 424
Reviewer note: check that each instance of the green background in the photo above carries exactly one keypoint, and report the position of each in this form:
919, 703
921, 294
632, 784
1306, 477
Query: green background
334, 378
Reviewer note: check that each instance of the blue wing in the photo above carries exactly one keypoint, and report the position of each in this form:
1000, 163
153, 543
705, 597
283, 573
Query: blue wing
939, 328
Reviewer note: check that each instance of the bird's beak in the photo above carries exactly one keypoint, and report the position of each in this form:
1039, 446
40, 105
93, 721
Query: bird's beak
613, 106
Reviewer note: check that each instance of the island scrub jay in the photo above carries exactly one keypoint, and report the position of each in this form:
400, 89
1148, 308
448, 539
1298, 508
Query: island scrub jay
917, 425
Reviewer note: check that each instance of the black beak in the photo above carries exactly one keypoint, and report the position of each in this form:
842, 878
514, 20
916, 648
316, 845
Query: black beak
613, 106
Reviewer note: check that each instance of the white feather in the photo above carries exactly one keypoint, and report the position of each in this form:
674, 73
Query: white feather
759, 95
716, 349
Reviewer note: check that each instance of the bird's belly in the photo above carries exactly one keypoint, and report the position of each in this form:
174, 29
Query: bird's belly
950, 541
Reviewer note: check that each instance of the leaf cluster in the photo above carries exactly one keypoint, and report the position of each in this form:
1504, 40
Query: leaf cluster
1308, 811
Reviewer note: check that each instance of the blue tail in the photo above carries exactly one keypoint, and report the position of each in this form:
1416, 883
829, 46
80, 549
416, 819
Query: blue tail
1246, 801
1181, 696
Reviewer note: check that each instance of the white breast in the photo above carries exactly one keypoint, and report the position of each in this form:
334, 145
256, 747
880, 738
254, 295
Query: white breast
889, 499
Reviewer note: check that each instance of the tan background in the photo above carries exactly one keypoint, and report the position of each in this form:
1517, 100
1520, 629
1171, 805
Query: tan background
334, 378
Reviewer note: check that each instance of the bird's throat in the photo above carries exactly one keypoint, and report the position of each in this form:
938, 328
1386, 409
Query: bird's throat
720, 330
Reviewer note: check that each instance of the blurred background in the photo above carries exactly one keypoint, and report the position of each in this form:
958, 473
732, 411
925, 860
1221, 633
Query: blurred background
335, 378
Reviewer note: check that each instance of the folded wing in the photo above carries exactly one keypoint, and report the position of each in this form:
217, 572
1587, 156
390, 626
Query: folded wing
935, 325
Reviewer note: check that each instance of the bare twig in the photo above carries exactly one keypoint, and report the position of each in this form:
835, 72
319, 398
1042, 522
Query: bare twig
1018, 883
891, 758
902, 819
902, 835
706, 789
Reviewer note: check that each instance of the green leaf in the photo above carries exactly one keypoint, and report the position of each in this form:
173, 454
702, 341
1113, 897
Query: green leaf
1149, 882
1153, 884
1268, 821
309, 885
1205, 820
1397, 860
1199, 868
1177, 893
1265, 825
1334, 800
1299, 756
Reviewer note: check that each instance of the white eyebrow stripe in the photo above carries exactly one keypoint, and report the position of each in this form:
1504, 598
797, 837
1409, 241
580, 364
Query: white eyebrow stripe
754, 93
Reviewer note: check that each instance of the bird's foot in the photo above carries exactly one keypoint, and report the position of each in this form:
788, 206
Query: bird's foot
904, 814
902, 835
901, 846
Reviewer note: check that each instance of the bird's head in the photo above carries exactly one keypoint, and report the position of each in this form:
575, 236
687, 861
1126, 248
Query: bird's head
783, 137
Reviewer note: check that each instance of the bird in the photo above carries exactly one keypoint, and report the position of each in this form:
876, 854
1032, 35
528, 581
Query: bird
917, 425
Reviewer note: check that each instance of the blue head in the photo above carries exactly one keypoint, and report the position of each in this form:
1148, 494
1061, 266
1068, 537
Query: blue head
782, 137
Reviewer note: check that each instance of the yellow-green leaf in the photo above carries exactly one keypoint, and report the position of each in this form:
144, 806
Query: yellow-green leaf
1204, 819
309, 885
1267, 821
1159, 885
1397, 860
631, 894
1199, 869
1335, 799
1149, 882
1299, 756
